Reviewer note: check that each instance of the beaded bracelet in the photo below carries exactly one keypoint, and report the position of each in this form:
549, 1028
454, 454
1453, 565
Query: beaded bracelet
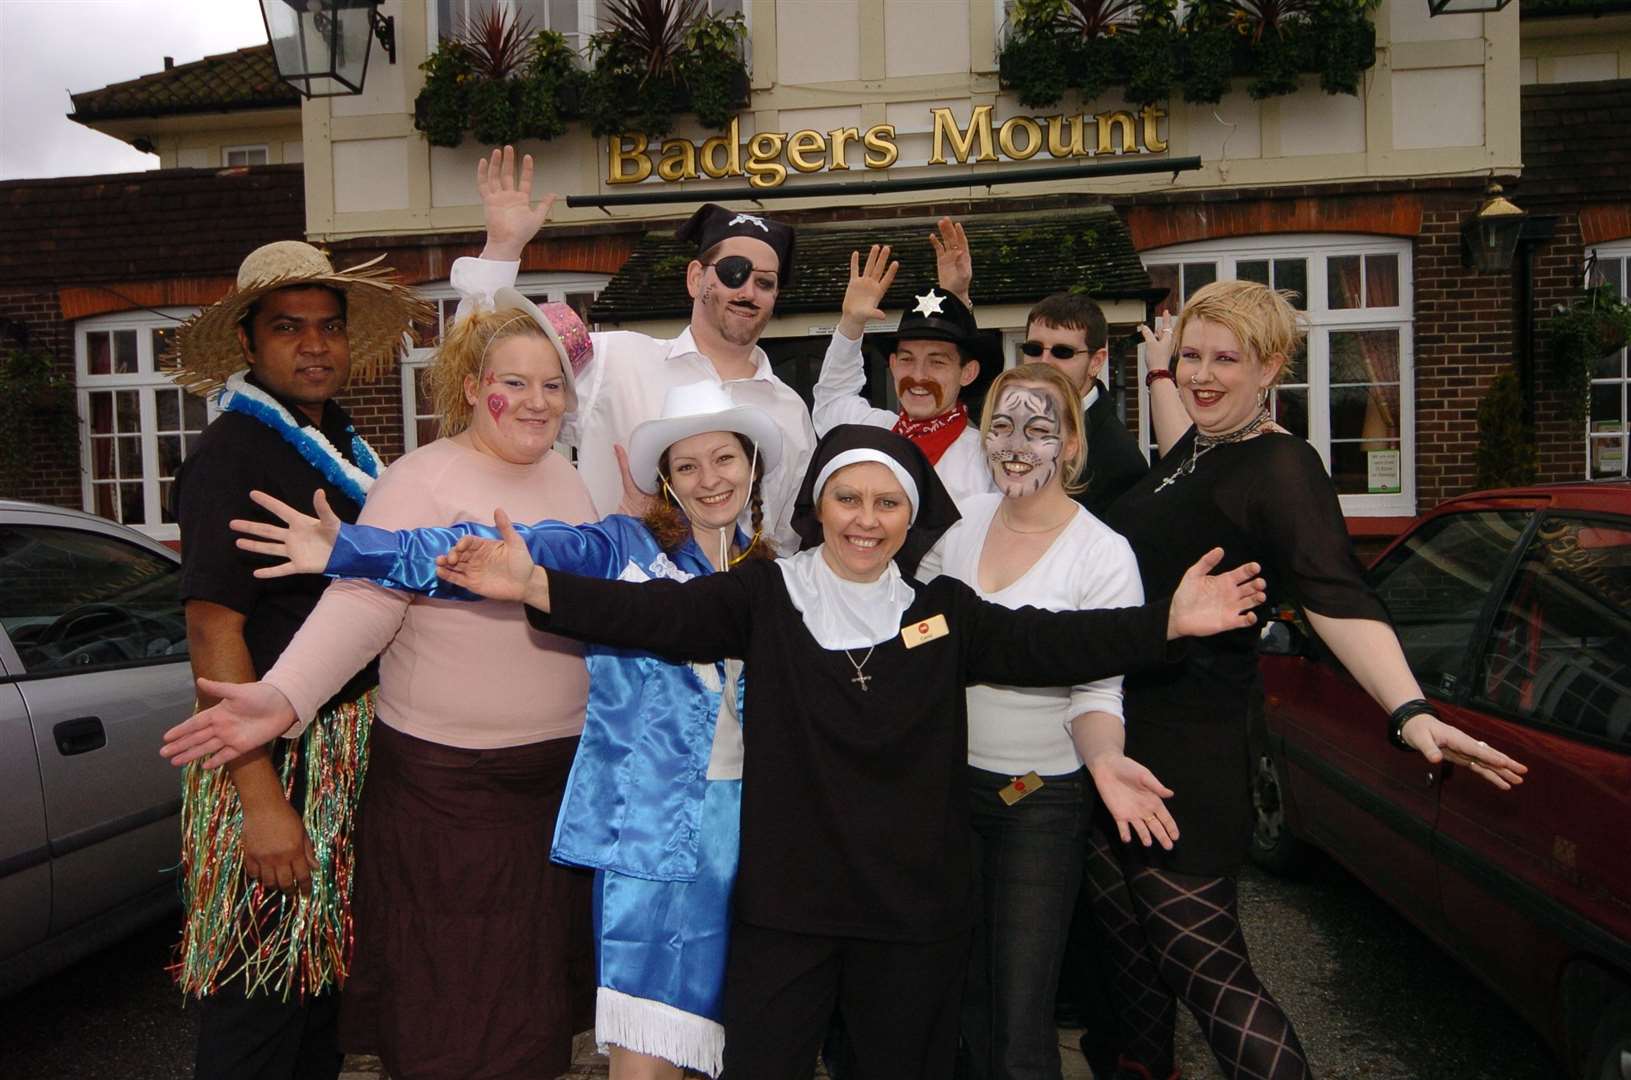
1398, 717
1155, 375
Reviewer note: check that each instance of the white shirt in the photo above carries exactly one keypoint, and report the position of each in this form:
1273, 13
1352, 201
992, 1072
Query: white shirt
624, 384
962, 468
1011, 729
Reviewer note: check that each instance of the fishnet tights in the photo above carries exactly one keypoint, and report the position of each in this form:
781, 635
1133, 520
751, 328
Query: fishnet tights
1174, 933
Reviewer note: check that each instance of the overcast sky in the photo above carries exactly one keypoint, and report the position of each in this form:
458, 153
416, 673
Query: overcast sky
51, 47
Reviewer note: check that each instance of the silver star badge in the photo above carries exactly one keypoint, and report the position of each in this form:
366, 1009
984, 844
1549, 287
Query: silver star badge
929, 303
748, 219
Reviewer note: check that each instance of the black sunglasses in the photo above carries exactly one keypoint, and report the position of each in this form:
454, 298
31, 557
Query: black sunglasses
733, 270
1034, 349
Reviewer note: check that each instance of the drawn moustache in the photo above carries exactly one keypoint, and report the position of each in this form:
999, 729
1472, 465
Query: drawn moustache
1023, 457
909, 383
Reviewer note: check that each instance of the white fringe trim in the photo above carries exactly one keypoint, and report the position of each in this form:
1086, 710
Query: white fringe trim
658, 1029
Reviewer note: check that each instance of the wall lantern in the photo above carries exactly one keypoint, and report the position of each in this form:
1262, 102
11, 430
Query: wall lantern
321, 46
1464, 7
1490, 237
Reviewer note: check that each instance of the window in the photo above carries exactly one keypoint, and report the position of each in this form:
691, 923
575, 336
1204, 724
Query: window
419, 420
137, 426
1560, 650
1435, 585
1607, 441
75, 601
1350, 391
243, 155
576, 19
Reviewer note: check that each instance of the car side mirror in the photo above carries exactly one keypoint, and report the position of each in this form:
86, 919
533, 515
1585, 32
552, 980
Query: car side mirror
1280, 638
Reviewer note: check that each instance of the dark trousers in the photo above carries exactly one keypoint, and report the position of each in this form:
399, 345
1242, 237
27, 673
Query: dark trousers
1027, 870
265, 1038
898, 1001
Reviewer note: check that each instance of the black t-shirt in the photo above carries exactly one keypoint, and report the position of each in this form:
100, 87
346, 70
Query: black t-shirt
238, 454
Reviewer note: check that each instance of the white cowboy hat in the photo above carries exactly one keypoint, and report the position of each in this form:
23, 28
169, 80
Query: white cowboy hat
691, 410
378, 313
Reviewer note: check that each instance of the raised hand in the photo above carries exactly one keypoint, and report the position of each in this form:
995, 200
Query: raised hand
506, 204
1439, 741
1159, 343
248, 716
306, 542
497, 569
867, 286
635, 503
1206, 603
1135, 799
954, 267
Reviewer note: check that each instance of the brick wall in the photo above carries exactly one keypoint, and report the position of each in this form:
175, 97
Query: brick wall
376, 409
30, 318
1557, 279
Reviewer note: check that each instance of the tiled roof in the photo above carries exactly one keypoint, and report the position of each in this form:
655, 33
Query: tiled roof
136, 226
1576, 143
1016, 260
245, 79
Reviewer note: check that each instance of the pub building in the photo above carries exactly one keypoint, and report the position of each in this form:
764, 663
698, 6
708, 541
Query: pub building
863, 121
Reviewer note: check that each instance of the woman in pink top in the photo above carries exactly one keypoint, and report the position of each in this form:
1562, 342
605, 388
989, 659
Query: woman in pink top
473, 952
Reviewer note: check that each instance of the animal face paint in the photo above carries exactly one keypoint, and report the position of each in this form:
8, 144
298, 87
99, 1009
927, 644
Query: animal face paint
1024, 444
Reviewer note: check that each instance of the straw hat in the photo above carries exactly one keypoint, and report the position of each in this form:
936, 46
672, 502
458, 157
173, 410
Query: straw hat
378, 313
691, 410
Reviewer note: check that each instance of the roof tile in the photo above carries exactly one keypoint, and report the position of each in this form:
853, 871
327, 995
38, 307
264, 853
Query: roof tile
244, 79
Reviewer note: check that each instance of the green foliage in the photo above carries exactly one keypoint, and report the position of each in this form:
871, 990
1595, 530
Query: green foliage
710, 67
1089, 45
1578, 336
1506, 445
632, 88
37, 412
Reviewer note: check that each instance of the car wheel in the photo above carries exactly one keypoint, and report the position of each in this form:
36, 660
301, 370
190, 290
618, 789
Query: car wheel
1274, 848
1610, 1054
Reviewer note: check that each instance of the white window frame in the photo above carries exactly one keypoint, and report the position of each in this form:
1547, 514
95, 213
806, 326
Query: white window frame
227, 152
1618, 251
588, 19
146, 377
1317, 248
555, 286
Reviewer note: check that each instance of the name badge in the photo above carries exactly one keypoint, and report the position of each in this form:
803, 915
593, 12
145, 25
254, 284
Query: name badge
927, 630
1021, 787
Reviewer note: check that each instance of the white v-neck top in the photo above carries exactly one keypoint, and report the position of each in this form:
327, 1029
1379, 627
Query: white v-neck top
1011, 729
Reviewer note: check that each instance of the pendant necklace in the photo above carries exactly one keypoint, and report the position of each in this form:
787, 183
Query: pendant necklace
860, 679
1203, 443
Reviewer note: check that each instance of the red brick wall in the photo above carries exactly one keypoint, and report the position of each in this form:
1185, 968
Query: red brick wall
376, 409
1557, 278
31, 315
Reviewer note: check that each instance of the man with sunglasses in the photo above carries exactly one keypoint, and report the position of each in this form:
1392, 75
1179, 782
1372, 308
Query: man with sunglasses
932, 357
743, 262
1068, 330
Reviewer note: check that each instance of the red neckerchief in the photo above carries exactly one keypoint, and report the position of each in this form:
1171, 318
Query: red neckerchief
935, 435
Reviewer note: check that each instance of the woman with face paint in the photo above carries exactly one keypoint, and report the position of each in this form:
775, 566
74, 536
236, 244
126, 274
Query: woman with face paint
1032, 753
1230, 477
653, 800
854, 884
472, 952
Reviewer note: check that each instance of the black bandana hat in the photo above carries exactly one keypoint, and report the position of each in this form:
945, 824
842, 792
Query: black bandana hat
937, 315
713, 223
936, 512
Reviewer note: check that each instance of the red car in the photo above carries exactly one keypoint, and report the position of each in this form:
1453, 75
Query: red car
1514, 609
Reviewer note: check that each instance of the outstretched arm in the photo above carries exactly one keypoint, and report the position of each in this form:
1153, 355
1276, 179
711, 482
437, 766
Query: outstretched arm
1371, 653
506, 203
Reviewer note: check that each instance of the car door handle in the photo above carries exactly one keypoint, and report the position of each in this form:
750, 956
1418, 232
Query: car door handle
80, 736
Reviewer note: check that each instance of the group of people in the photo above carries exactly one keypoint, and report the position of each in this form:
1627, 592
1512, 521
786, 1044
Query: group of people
759, 728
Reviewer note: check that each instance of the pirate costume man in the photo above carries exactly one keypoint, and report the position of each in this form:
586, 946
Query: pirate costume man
948, 439
265, 963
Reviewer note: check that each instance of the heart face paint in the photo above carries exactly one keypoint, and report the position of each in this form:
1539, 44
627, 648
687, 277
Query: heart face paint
523, 396
496, 405
1024, 444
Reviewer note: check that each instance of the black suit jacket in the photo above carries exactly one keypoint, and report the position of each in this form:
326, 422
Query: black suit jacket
1114, 461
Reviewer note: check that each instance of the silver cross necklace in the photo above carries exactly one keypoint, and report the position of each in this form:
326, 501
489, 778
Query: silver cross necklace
860, 679
1203, 443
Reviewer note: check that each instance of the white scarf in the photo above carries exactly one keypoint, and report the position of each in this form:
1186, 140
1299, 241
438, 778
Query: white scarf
844, 614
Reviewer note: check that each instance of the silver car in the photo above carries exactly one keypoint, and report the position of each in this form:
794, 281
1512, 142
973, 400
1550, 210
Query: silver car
93, 668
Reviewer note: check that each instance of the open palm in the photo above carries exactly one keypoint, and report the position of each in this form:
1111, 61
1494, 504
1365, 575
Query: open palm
248, 716
497, 569
303, 541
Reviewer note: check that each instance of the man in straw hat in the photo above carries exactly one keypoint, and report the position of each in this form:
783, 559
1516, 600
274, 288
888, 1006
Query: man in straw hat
266, 853
743, 262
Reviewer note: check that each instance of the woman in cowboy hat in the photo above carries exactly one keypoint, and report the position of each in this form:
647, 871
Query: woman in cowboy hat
854, 878
466, 934
653, 800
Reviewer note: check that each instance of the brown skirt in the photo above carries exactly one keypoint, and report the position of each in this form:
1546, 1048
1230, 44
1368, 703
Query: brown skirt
474, 954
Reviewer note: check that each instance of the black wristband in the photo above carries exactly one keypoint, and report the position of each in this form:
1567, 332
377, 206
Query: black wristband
1397, 718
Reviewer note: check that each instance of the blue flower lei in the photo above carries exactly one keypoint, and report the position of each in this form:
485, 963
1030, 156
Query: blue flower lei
312, 445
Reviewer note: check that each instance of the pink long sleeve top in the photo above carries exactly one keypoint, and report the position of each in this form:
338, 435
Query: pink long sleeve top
467, 674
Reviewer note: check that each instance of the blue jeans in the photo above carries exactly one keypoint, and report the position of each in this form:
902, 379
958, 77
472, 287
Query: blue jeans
1027, 869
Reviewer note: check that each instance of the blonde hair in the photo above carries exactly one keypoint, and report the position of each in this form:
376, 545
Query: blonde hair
462, 355
1262, 319
1051, 379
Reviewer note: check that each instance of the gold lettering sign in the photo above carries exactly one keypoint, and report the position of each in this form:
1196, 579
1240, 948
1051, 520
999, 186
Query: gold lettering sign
767, 157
